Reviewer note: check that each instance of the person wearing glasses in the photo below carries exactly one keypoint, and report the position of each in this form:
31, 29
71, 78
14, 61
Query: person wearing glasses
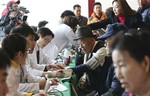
16, 47
26, 85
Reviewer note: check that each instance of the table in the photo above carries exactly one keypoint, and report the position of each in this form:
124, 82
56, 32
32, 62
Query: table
65, 93
69, 91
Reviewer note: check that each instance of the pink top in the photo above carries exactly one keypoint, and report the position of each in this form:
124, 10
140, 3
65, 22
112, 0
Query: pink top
121, 19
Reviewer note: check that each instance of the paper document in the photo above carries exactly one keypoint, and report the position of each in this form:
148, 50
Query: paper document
59, 87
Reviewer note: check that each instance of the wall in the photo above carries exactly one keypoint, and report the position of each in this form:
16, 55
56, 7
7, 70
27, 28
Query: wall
105, 5
51, 10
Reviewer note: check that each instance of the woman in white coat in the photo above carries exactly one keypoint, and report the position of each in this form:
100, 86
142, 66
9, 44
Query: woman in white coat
38, 57
64, 34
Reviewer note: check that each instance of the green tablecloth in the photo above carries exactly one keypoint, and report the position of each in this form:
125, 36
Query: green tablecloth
65, 93
68, 92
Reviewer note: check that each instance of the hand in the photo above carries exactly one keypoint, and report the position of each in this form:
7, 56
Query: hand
56, 74
81, 84
58, 66
67, 72
54, 81
42, 83
21, 13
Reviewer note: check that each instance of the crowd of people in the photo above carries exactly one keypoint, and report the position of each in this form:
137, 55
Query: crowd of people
112, 51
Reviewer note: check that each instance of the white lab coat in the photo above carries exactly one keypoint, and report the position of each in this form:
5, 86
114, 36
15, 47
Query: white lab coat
63, 35
29, 82
32, 66
44, 59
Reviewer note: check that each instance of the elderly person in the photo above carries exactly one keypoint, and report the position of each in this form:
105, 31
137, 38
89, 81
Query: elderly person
94, 79
100, 58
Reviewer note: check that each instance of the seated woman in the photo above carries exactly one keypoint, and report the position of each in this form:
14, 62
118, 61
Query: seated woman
16, 47
131, 57
38, 56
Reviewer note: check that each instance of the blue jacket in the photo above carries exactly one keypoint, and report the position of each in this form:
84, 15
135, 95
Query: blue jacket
112, 83
145, 12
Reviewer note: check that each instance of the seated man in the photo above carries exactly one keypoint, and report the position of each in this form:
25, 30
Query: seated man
95, 79
28, 33
100, 58
38, 56
16, 47
32, 67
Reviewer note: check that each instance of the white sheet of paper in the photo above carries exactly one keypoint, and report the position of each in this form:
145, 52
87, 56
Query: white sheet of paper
59, 87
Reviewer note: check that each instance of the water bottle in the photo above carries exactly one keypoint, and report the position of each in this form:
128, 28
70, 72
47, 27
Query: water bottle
67, 57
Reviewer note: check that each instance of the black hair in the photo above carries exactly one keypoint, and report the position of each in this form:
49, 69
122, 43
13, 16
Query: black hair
67, 13
97, 3
127, 11
76, 5
42, 23
71, 21
34, 28
109, 12
45, 31
23, 29
14, 43
4, 59
136, 43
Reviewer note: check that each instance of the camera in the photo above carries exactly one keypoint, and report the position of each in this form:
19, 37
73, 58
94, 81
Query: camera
24, 18
23, 9
19, 14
